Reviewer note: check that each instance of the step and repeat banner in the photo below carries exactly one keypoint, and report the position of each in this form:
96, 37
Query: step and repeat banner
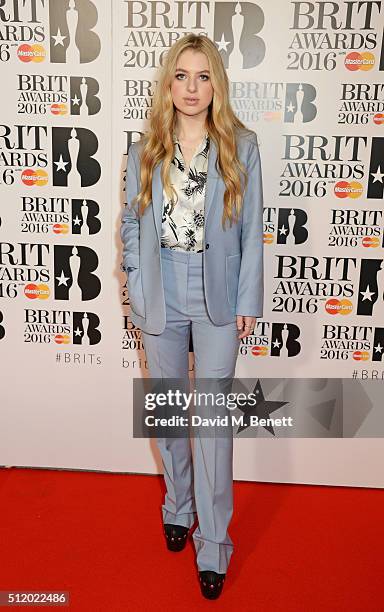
78, 78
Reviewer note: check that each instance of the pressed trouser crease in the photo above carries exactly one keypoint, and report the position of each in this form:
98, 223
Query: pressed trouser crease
201, 486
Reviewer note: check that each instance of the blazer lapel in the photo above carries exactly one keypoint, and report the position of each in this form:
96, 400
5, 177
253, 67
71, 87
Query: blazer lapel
210, 188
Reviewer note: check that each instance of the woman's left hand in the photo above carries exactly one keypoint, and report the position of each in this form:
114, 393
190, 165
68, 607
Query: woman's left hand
245, 325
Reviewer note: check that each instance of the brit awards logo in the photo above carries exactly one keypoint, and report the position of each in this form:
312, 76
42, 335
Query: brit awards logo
299, 103
25, 154
58, 95
73, 163
285, 340
61, 327
27, 268
317, 165
376, 169
371, 287
272, 339
378, 344
273, 101
24, 266
356, 228
305, 282
73, 39
70, 36
285, 226
22, 21
237, 28
325, 32
74, 270
361, 104
352, 342
131, 339
59, 216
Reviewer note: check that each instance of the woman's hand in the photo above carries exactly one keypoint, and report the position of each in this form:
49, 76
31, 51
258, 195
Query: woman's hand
245, 325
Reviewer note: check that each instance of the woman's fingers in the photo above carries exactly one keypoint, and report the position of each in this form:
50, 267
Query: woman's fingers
245, 325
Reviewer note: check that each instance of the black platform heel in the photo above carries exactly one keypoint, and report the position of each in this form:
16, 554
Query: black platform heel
211, 583
176, 536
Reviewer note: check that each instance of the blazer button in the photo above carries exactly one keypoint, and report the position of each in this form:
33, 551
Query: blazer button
207, 246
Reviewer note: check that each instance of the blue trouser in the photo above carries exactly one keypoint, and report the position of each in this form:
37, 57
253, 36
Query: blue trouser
203, 486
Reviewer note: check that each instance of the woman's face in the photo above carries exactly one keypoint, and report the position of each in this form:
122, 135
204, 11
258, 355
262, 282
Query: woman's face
191, 87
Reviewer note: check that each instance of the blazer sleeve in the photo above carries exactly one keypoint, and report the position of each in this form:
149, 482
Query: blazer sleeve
250, 295
129, 230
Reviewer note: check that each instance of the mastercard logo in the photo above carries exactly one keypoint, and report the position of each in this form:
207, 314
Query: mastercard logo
34, 177
359, 61
60, 228
259, 351
31, 53
370, 241
335, 306
59, 109
346, 189
62, 339
34, 292
272, 116
360, 356
268, 238
378, 119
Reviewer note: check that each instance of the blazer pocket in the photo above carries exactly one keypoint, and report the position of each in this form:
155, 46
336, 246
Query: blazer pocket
232, 271
135, 291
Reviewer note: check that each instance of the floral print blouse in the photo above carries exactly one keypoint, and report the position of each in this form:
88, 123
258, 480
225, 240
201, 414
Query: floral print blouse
183, 227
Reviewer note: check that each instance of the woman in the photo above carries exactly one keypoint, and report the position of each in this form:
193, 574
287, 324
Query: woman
193, 253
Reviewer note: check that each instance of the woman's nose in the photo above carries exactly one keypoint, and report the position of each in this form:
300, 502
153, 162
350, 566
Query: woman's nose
191, 86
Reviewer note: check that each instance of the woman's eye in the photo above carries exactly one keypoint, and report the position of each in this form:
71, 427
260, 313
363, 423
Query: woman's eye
205, 77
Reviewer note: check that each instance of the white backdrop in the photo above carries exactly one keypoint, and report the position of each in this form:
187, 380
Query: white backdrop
78, 78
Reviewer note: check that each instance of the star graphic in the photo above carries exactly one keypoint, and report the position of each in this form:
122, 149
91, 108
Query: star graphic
78, 332
276, 343
378, 175
290, 108
262, 409
367, 294
76, 101
283, 230
58, 38
62, 279
223, 44
77, 221
378, 348
61, 164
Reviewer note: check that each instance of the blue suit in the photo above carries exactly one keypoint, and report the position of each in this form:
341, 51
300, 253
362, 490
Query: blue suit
232, 261
177, 293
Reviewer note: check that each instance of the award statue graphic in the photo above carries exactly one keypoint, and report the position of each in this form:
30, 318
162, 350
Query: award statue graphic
75, 277
73, 40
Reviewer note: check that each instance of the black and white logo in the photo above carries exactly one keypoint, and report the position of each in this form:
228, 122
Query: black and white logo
74, 273
73, 39
73, 163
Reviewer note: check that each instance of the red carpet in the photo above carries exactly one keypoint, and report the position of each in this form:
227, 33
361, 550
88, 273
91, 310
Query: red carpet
98, 536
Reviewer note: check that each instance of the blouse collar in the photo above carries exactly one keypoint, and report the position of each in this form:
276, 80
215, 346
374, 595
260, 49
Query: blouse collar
203, 146
203, 142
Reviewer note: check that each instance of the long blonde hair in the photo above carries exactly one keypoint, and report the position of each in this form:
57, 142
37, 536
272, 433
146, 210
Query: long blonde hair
222, 123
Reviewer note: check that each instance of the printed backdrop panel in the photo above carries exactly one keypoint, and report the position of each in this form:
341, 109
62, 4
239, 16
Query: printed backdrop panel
79, 77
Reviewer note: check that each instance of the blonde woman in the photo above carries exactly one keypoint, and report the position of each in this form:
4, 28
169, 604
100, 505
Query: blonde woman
193, 253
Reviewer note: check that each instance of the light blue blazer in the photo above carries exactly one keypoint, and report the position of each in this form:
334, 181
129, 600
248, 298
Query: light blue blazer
232, 259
